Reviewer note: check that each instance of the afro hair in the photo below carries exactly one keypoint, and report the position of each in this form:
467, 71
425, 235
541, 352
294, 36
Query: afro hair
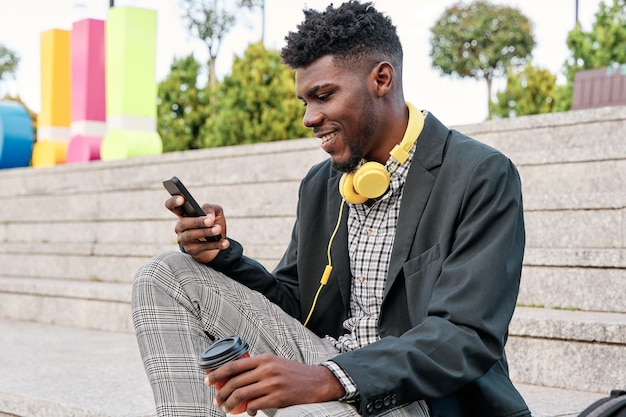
353, 32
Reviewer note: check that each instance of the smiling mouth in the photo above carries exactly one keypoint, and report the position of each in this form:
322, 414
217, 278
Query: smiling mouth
328, 137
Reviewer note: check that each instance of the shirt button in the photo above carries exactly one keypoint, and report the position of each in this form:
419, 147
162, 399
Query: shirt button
370, 232
361, 279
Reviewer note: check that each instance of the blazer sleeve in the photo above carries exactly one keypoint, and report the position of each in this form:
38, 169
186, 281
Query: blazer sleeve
280, 286
472, 280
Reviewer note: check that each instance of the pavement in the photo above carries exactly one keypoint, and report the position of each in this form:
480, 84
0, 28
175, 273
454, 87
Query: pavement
54, 371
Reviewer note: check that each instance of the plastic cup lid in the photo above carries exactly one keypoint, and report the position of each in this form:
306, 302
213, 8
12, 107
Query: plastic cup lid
222, 351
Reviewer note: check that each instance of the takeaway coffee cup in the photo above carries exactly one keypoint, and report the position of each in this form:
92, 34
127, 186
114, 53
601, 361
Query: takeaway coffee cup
223, 351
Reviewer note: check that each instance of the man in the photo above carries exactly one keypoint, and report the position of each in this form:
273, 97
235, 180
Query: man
419, 282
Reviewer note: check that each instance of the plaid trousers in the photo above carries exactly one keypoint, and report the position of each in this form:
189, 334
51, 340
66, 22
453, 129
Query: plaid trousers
180, 307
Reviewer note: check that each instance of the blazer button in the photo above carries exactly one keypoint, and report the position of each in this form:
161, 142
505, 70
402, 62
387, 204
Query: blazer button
387, 400
394, 399
378, 404
369, 407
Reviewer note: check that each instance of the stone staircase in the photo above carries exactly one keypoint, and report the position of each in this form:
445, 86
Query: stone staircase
72, 236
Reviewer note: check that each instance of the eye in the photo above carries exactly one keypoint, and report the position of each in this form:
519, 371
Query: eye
323, 97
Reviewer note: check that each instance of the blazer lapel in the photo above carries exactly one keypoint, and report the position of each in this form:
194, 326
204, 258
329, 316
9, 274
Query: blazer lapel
428, 155
339, 250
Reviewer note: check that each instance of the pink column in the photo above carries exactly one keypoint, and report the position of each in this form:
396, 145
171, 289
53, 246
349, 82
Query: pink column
88, 124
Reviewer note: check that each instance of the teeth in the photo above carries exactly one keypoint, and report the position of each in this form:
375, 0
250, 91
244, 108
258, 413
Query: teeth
328, 137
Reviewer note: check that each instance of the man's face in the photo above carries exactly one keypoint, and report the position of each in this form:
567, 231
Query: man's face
339, 109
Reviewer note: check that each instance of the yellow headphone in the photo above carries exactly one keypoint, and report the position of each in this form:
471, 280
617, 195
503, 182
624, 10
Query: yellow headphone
371, 180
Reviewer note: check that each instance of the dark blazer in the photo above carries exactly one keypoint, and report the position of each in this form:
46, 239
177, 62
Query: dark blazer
451, 288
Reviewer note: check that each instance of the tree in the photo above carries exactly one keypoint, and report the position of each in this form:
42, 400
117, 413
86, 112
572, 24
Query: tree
256, 102
9, 61
181, 106
603, 46
481, 41
530, 91
210, 21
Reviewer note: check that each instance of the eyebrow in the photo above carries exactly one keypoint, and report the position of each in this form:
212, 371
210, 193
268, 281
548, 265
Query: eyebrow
311, 92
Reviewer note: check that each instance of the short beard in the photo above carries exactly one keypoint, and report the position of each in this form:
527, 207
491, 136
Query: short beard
352, 163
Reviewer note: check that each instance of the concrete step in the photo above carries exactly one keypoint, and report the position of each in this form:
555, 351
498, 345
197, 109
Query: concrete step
553, 132
567, 184
603, 176
553, 220
271, 162
567, 349
78, 262
56, 371
88, 305
576, 220
573, 288
584, 257
546, 269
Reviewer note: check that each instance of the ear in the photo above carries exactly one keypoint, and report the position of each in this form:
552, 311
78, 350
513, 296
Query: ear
383, 74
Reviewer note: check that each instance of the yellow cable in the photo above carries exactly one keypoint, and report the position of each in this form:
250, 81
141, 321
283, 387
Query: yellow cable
329, 267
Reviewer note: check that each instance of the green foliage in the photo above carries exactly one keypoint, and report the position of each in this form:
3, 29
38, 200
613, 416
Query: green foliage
481, 41
562, 98
9, 61
182, 106
603, 46
256, 102
211, 20
530, 91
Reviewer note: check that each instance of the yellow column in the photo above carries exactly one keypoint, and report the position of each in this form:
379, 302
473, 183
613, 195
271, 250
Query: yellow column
53, 122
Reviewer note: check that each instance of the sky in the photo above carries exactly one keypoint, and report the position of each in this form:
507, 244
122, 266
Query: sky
454, 101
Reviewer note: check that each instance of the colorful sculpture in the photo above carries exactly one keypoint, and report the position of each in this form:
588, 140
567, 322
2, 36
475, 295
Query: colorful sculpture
53, 122
130, 84
16, 135
88, 124
98, 90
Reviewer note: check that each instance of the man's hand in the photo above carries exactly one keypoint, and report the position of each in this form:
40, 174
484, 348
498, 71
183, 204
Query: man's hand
268, 381
192, 231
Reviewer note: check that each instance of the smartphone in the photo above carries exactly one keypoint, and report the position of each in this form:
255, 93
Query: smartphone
191, 208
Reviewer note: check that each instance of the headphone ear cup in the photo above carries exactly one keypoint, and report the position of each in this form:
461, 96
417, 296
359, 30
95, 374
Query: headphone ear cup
347, 191
371, 180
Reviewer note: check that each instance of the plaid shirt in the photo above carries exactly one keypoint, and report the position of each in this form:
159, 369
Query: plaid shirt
371, 233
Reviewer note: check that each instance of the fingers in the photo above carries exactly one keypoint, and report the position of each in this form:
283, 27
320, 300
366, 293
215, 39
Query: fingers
202, 237
236, 391
231, 376
199, 229
248, 380
174, 204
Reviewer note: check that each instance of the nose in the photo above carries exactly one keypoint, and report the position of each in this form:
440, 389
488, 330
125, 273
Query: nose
312, 117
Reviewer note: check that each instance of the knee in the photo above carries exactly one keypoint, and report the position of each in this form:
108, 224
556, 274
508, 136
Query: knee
157, 269
173, 272
161, 264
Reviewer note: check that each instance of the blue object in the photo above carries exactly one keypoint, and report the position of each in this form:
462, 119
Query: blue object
16, 135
